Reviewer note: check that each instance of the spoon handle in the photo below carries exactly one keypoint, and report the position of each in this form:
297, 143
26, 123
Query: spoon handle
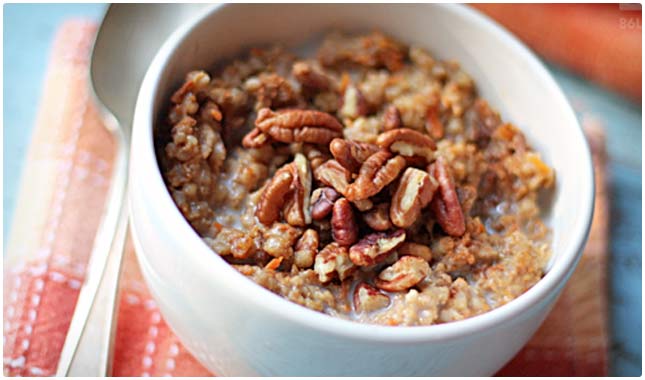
93, 355
91, 330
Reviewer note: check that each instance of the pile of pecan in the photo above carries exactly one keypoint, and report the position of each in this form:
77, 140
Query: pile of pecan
363, 195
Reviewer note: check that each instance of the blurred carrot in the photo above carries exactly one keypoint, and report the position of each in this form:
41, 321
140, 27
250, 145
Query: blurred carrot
601, 42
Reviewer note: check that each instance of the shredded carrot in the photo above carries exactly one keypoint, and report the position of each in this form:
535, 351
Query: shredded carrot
542, 168
505, 132
217, 115
345, 80
538, 163
257, 52
274, 264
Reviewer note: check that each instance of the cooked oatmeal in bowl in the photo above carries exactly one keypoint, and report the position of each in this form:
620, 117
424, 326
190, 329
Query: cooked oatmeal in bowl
369, 182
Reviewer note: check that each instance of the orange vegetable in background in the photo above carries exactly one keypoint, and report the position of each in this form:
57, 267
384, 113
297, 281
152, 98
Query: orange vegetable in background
601, 42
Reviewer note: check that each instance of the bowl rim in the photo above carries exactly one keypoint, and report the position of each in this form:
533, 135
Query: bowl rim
198, 252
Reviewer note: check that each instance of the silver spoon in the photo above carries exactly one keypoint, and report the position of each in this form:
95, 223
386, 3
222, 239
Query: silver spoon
126, 42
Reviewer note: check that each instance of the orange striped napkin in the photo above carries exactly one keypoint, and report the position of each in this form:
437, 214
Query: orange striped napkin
61, 196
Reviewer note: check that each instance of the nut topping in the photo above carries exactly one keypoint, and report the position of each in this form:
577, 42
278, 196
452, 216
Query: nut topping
404, 274
375, 247
292, 197
344, 266
354, 103
300, 213
367, 298
351, 154
370, 182
333, 174
333, 261
434, 127
343, 224
376, 172
322, 202
255, 139
295, 125
315, 156
273, 196
363, 205
306, 249
391, 118
378, 218
415, 191
446, 207
408, 142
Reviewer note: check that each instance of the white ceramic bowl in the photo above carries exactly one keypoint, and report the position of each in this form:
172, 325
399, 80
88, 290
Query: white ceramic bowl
235, 327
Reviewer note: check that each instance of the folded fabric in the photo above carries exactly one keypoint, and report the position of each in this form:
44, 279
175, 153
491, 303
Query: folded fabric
62, 194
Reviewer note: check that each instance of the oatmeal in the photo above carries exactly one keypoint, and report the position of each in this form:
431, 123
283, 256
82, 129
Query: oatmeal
370, 182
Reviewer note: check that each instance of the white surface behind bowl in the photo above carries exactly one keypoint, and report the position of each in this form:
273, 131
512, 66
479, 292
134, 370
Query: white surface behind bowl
235, 327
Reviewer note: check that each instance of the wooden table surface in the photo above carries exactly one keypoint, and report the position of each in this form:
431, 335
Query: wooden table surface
28, 33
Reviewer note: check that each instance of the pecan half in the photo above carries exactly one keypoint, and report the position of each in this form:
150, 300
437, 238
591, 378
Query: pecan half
274, 196
415, 249
255, 139
414, 192
332, 261
292, 198
297, 211
351, 154
375, 247
404, 274
376, 172
367, 298
343, 224
363, 205
354, 103
306, 249
378, 218
408, 142
446, 207
322, 202
315, 156
344, 266
296, 125
391, 118
333, 174
434, 127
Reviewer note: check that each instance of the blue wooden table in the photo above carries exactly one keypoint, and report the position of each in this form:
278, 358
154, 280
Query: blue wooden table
28, 34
